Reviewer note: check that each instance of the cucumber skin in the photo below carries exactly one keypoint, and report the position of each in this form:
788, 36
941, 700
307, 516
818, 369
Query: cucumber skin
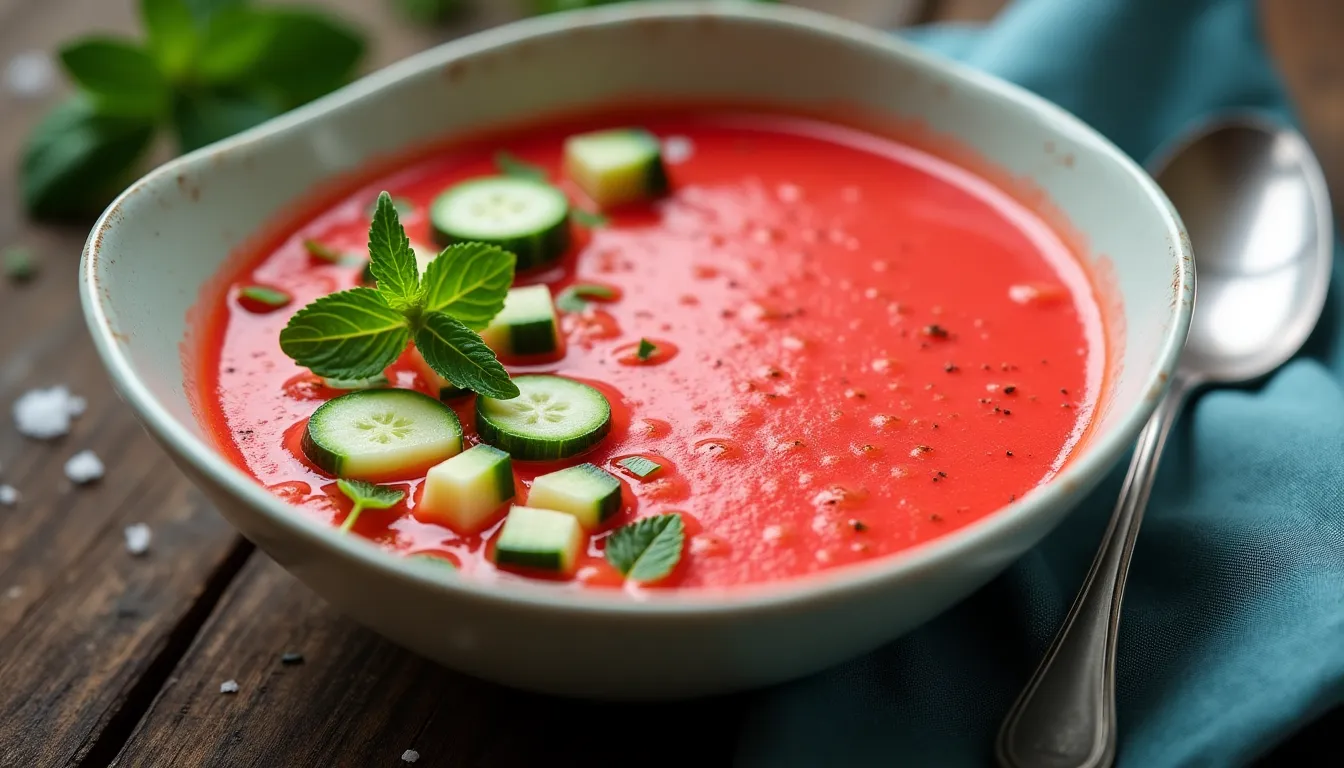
532, 251
540, 337
542, 561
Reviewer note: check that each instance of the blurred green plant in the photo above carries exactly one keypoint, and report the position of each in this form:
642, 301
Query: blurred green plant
555, 6
206, 69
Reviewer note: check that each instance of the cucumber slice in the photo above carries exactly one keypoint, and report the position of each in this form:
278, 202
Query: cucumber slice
618, 166
552, 418
587, 492
446, 389
539, 538
373, 382
375, 434
526, 325
525, 216
464, 492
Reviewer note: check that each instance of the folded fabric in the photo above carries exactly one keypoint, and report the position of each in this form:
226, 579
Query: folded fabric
1233, 626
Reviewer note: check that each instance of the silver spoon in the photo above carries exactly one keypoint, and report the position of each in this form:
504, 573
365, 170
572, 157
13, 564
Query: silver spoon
1254, 201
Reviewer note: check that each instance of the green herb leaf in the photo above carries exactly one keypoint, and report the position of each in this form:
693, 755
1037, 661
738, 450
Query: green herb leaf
646, 350
204, 10
366, 496
512, 166
77, 159
572, 298
404, 207
647, 549
458, 354
265, 295
353, 334
350, 385
205, 116
19, 264
311, 54
118, 75
393, 261
639, 466
234, 43
323, 252
434, 561
588, 218
469, 281
173, 36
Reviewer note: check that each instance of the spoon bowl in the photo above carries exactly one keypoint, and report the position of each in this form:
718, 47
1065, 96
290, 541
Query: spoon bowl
1255, 204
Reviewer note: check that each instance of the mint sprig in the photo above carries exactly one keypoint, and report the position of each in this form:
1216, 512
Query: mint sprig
366, 496
358, 333
204, 70
647, 549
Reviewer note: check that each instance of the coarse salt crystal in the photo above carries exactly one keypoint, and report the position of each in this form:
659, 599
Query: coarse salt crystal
8, 496
410, 756
46, 413
137, 538
228, 686
84, 467
677, 149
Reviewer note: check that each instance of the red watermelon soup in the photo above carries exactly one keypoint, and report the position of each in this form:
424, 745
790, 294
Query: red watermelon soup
740, 347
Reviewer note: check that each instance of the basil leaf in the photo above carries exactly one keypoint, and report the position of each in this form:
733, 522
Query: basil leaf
77, 159
368, 495
233, 44
647, 549
518, 169
392, 260
646, 350
456, 353
202, 117
639, 466
172, 34
119, 75
353, 334
469, 282
310, 55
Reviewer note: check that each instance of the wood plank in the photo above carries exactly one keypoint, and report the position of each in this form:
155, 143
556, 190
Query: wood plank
358, 700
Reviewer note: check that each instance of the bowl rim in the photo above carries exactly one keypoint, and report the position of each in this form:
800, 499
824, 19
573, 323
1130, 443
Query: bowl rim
1104, 451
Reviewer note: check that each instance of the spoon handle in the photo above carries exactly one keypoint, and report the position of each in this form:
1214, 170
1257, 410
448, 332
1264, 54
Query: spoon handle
1065, 717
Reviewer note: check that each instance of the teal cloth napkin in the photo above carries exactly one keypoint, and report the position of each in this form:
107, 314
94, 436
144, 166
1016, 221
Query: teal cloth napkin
1233, 630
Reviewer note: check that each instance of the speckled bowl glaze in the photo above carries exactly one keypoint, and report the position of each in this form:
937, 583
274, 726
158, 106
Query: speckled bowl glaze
157, 247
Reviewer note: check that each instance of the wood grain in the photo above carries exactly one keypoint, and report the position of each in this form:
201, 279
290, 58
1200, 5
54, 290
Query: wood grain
358, 700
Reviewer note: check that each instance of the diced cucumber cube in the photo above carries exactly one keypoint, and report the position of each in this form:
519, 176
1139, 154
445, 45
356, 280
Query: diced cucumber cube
542, 539
464, 492
526, 325
587, 492
618, 166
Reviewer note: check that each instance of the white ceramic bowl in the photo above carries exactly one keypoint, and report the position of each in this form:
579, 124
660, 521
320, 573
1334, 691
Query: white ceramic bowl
158, 245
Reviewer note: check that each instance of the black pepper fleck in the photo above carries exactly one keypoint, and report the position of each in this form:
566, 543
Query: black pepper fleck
935, 517
858, 525
1009, 454
950, 368
1007, 412
935, 331
1008, 390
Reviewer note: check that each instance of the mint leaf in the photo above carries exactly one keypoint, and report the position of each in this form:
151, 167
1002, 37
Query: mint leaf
639, 466
512, 166
233, 44
588, 218
647, 549
469, 282
366, 496
456, 353
77, 159
572, 298
392, 260
205, 116
172, 34
311, 54
118, 75
323, 252
370, 496
353, 334
646, 350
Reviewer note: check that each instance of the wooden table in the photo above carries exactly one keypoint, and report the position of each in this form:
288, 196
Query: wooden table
110, 658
